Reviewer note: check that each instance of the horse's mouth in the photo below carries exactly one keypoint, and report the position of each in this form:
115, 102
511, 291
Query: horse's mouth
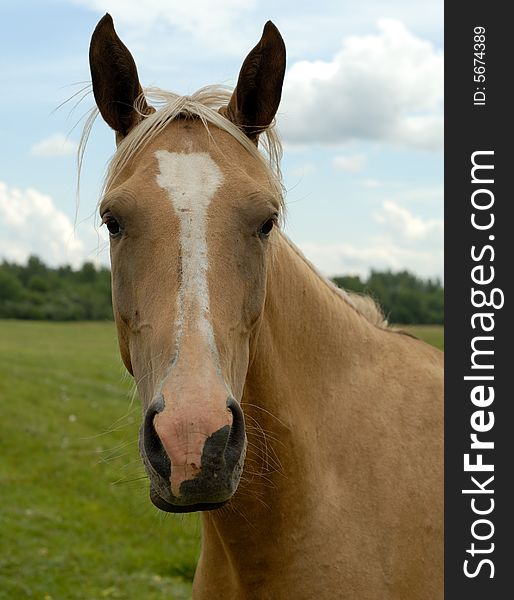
166, 506
215, 476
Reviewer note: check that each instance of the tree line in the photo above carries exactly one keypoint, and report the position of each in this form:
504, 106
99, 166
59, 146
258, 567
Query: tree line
404, 297
36, 291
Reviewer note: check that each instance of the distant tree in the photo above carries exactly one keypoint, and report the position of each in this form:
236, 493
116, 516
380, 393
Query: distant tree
35, 266
36, 291
10, 286
350, 282
404, 297
88, 273
39, 283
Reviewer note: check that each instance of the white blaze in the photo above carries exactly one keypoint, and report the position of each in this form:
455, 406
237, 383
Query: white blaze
191, 181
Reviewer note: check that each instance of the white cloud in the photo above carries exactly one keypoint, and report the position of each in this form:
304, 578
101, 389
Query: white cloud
343, 258
302, 170
55, 145
404, 241
387, 86
30, 223
378, 184
215, 25
401, 221
229, 26
352, 163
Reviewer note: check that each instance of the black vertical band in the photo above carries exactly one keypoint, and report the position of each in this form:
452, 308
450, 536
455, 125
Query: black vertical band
479, 268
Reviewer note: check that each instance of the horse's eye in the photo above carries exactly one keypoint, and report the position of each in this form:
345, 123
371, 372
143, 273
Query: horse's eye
112, 225
266, 227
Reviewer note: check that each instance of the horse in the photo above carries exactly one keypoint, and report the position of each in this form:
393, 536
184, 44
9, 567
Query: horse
305, 429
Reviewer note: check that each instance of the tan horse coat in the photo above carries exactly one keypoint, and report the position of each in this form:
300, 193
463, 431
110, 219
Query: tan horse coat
341, 495
356, 511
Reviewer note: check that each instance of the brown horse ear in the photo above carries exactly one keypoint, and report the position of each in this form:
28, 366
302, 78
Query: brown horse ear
115, 80
255, 100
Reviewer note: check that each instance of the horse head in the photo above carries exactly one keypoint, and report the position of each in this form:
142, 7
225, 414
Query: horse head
192, 209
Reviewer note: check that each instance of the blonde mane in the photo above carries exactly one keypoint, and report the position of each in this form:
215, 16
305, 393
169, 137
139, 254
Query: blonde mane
205, 104
362, 304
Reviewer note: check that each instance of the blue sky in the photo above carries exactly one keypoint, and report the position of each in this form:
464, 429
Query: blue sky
361, 119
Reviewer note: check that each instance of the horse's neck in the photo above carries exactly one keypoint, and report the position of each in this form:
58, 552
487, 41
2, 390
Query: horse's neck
308, 326
307, 339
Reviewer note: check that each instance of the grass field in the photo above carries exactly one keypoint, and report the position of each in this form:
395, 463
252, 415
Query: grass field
75, 519
433, 334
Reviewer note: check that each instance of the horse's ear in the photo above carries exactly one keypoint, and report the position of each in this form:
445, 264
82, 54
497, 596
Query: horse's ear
255, 100
115, 80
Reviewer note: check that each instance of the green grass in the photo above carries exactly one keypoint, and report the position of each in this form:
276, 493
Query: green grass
75, 518
432, 334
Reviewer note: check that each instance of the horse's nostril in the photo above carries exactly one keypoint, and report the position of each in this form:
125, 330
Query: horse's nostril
236, 438
200, 466
153, 447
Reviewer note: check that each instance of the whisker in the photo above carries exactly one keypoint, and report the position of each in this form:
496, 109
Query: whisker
267, 412
123, 481
108, 459
115, 448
